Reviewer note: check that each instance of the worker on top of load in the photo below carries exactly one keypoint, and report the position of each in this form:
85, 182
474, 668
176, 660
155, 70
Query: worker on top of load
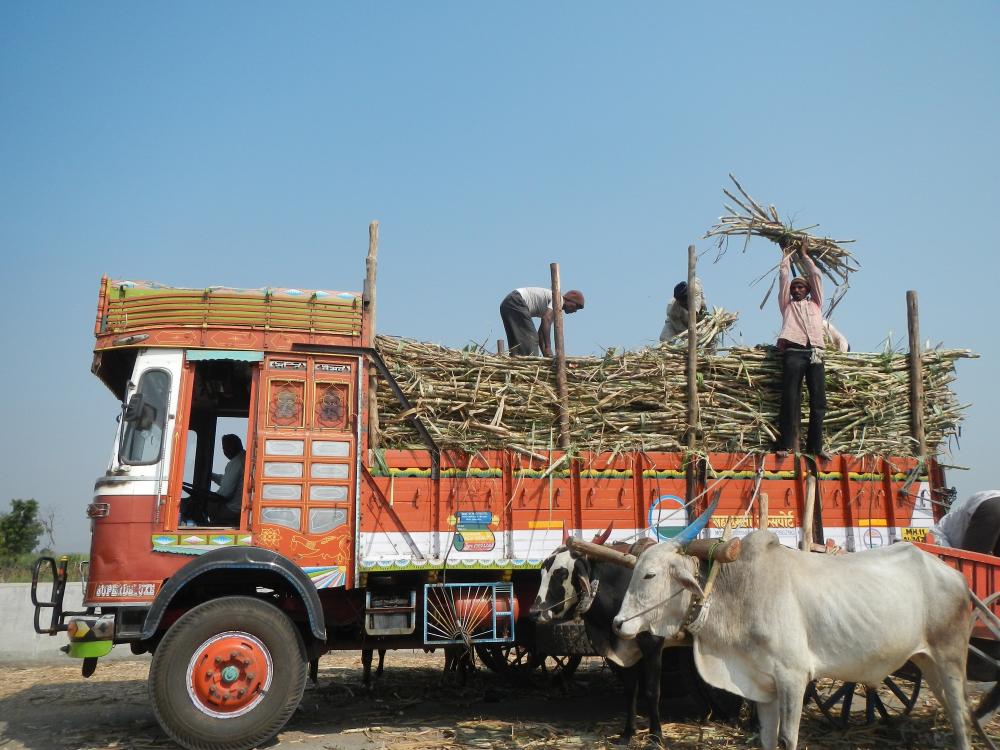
802, 349
834, 339
972, 524
677, 309
520, 306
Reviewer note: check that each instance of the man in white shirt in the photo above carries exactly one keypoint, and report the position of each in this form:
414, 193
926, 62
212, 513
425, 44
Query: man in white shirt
972, 523
226, 510
676, 321
520, 306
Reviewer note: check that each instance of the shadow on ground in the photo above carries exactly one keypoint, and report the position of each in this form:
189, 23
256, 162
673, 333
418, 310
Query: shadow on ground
413, 707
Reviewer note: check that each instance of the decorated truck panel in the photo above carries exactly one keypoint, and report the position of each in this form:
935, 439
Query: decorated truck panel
342, 544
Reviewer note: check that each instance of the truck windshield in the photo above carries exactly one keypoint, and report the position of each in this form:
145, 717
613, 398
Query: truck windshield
142, 442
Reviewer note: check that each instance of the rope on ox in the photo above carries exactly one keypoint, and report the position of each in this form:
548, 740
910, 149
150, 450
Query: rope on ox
697, 612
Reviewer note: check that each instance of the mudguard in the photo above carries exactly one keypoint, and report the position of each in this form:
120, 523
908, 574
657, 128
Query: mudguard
239, 558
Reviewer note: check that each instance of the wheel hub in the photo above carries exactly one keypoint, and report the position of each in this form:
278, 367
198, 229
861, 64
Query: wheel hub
229, 674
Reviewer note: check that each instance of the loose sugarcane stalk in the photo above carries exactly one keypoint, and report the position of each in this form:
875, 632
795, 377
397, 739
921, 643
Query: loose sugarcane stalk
752, 220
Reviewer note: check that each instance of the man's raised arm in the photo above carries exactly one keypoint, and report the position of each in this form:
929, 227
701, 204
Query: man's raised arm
815, 280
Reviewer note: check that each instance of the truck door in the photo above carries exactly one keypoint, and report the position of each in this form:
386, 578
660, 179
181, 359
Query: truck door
306, 462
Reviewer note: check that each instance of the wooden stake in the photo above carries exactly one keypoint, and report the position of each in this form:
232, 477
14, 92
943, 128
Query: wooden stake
762, 503
692, 380
560, 352
916, 376
501, 350
371, 266
808, 511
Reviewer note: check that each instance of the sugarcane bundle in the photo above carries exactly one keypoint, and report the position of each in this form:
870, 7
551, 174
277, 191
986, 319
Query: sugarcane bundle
752, 219
637, 400
711, 328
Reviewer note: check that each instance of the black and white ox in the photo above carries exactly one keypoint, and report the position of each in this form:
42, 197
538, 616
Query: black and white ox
590, 588
587, 582
778, 618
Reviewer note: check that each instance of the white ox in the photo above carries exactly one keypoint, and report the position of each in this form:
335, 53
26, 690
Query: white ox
779, 618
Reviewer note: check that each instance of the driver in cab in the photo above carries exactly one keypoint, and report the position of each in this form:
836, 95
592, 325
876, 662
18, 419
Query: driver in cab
222, 508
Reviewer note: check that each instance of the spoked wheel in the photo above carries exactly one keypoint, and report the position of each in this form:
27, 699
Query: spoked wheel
984, 643
558, 667
506, 658
227, 675
851, 703
520, 661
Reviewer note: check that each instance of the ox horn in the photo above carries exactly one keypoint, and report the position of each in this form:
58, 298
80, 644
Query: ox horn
603, 536
696, 526
600, 552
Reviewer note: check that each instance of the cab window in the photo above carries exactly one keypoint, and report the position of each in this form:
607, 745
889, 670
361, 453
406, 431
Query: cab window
145, 420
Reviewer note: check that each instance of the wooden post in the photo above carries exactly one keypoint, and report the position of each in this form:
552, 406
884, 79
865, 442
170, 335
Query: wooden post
692, 382
762, 508
500, 348
371, 266
916, 376
560, 352
808, 512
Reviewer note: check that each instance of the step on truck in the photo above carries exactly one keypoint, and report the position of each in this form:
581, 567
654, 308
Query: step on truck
331, 545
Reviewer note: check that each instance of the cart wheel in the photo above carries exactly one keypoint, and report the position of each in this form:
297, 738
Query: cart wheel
984, 644
520, 661
227, 675
506, 658
558, 668
981, 627
851, 703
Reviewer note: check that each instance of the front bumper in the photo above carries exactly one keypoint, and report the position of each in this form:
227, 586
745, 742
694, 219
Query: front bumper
90, 636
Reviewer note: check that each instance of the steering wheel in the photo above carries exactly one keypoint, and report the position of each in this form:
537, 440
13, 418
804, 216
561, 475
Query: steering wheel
197, 492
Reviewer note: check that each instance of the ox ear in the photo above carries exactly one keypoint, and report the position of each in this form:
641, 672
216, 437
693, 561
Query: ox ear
686, 578
696, 526
603, 536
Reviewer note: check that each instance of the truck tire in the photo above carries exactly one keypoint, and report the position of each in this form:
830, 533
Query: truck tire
227, 675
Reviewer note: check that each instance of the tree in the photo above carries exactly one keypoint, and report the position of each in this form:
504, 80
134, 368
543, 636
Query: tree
20, 528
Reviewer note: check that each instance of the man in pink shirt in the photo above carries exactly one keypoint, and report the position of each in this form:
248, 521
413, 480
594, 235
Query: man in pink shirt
801, 344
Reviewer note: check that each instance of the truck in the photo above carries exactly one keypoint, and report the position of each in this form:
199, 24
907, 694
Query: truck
339, 546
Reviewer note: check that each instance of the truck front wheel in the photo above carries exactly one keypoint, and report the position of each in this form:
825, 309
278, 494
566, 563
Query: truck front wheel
227, 675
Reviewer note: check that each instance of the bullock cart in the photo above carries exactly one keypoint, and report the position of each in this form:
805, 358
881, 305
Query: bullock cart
846, 703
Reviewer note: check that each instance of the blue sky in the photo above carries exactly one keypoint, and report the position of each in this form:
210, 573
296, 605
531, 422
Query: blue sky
250, 144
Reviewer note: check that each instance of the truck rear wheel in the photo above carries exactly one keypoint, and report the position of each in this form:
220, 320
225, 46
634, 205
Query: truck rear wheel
227, 675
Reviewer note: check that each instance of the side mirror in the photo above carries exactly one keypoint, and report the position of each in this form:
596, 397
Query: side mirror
133, 409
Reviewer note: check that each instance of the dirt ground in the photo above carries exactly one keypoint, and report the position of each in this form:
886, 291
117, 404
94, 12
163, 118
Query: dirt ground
51, 707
